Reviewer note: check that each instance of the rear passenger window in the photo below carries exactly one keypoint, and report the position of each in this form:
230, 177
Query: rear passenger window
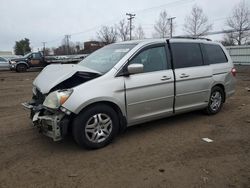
214, 54
186, 55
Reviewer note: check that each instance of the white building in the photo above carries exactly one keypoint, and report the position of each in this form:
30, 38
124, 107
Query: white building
4, 53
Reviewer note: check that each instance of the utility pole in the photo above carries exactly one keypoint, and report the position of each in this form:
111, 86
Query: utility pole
67, 37
171, 26
130, 18
44, 43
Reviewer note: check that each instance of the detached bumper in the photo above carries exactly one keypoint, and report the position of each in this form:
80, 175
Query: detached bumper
54, 125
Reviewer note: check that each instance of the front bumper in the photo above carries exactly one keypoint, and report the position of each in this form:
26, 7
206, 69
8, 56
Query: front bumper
53, 125
12, 66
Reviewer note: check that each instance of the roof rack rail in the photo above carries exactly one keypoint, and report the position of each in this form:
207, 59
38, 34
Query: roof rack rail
189, 37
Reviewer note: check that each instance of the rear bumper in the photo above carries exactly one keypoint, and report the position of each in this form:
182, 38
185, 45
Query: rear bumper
54, 125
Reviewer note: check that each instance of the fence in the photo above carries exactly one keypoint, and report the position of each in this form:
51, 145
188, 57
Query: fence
240, 54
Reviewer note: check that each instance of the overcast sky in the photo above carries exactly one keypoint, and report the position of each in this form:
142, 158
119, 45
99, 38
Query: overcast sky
50, 20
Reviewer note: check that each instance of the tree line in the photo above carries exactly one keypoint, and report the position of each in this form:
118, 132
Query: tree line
196, 25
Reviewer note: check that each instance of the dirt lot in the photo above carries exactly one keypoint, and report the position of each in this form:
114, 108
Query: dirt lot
164, 153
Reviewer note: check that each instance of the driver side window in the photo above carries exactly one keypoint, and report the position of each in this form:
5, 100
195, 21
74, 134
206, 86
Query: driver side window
35, 56
153, 59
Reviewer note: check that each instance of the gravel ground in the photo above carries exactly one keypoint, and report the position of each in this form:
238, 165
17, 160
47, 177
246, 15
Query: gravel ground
164, 153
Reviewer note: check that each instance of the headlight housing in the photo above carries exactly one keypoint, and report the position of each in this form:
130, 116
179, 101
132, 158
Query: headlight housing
57, 98
12, 62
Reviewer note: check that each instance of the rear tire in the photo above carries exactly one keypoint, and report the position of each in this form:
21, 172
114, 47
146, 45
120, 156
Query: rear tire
21, 68
216, 100
96, 126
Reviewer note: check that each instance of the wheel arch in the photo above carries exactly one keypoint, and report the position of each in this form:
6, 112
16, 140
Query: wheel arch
22, 62
115, 107
223, 88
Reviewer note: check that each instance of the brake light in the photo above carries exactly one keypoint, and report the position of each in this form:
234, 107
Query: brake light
233, 71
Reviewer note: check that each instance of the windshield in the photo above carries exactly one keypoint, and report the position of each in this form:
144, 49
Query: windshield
106, 58
27, 55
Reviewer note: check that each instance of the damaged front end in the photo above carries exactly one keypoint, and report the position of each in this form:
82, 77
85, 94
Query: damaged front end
46, 110
53, 123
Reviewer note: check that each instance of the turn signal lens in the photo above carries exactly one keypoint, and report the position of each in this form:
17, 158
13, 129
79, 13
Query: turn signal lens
63, 98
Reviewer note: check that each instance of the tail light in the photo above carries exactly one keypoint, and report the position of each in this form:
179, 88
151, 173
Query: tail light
233, 71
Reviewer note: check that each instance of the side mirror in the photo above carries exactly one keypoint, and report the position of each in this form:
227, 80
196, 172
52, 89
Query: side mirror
135, 68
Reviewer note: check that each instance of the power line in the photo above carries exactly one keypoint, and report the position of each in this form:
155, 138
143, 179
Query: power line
166, 4
130, 18
226, 31
174, 3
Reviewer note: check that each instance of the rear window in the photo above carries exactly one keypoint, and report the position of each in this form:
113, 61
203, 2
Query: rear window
214, 54
186, 55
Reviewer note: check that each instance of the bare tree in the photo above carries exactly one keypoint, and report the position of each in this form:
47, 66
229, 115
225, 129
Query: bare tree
197, 24
123, 30
139, 33
162, 25
228, 39
240, 22
107, 34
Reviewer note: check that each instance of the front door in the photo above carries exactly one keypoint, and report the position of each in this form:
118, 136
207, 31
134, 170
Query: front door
150, 95
36, 60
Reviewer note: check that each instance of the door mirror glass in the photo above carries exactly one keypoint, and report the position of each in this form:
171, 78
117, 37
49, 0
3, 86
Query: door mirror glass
135, 68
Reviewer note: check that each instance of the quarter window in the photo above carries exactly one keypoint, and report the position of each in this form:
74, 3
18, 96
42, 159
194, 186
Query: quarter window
186, 55
153, 59
214, 54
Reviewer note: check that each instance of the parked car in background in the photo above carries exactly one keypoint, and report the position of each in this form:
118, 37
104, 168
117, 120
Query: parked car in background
4, 63
38, 60
128, 83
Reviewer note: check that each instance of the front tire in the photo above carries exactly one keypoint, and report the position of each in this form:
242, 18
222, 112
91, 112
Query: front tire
216, 100
96, 126
21, 68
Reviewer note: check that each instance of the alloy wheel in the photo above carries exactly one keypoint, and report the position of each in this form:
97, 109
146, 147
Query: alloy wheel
98, 128
216, 100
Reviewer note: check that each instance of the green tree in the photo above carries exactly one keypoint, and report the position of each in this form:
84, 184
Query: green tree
22, 47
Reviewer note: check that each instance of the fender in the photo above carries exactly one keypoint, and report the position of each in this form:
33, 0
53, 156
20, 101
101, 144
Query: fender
100, 100
22, 62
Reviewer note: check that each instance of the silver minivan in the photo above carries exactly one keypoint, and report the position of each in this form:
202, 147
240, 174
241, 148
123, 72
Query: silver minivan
129, 83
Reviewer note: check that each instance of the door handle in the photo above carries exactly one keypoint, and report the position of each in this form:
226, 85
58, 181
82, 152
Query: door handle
183, 75
165, 78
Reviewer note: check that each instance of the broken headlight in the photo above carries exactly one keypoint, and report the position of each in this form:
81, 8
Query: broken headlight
55, 99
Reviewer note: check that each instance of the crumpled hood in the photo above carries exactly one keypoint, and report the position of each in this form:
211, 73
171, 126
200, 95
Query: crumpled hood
53, 75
